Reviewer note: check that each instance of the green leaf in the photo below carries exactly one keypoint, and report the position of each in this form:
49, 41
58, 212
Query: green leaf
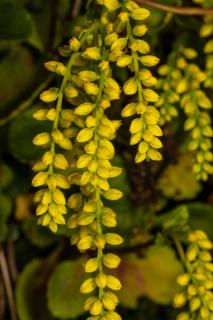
153, 276
175, 219
64, 298
37, 234
178, 181
5, 210
6, 176
31, 289
201, 217
21, 133
15, 21
17, 77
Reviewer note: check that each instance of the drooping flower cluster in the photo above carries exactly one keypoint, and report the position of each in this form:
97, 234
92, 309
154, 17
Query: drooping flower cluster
181, 84
128, 50
196, 283
79, 147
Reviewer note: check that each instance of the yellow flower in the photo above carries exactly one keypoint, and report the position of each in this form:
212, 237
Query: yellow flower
130, 87
140, 14
49, 95
111, 260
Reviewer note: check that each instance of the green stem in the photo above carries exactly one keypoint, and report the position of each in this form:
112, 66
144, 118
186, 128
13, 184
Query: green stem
59, 104
181, 253
27, 103
98, 191
135, 62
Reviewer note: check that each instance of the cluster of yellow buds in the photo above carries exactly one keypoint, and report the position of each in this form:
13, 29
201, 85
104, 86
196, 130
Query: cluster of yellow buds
182, 83
197, 283
168, 97
53, 164
79, 146
93, 169
206, 31
128, 50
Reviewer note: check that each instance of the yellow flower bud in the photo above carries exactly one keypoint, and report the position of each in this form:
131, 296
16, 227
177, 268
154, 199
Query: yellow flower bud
41, 209
112, 194
111, 5
46, 220
92, 53
113, 238
149, 60
70, 91
180, 300
88, 286
56, 66
91, 88
40, 179
91, 265
41, 139
192, 252
190, 53
89, 302
150, 95
111, 38
182, 86
136, 125
204, 312
206, 30
88, 76
61, 181
60, 161
194, 304
47, 158
49, 95
53, 226
113, 283
65, 143
109, 219
140, 46
111, 260
85, 243
85, 135
130, 87
183, 279
119, 44
47, 198
205, 244
109, 301
154, 155
123, 16
140, 14
40, 114
96, 308
183, 316
99, 242
124, 61
57, 135
129, 110
140, 30
74, 44
209, 46
101, 280
85, 219
51, 114
58, 197
112, 315
84, 108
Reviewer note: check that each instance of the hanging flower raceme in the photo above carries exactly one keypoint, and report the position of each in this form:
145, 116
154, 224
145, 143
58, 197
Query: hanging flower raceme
185, 88
196, 283
53, 164
128, 50
93, 171
79, 147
